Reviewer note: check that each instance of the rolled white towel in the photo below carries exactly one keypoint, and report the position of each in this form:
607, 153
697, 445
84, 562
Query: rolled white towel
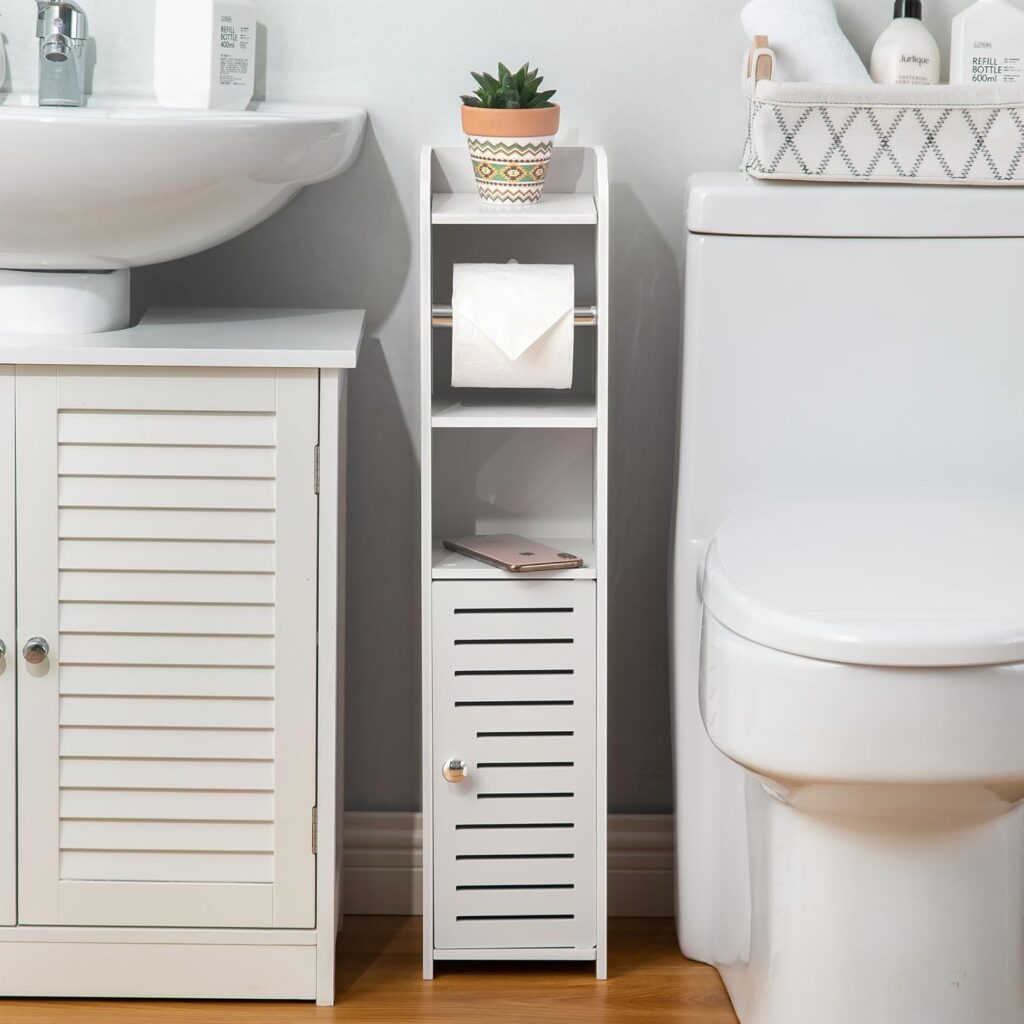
809, 44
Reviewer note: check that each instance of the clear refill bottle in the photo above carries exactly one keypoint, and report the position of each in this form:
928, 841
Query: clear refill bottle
205, 54
906, 52
988, 44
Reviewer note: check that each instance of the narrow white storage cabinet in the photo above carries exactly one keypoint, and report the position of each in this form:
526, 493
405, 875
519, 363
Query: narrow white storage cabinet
170, 608
515, 666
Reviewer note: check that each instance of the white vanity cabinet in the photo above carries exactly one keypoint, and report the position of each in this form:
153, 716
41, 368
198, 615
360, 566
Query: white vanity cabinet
169, 602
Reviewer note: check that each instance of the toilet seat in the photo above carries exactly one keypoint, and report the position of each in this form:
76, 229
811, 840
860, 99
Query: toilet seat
883, 581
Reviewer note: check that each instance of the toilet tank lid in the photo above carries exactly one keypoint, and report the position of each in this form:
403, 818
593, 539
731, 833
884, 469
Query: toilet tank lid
902, 581
735, 204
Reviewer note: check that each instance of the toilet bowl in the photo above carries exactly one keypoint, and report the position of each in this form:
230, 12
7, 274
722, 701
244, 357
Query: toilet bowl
863, 661
848, 613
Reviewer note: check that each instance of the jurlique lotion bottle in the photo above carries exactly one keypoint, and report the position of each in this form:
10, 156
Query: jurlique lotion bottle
906, 52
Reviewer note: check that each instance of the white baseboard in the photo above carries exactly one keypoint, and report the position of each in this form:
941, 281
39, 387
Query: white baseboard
383, 864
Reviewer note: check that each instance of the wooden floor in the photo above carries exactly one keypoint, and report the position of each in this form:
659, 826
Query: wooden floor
379, 983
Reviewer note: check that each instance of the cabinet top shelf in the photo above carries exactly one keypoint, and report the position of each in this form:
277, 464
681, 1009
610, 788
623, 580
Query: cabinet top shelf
554, 208
236, 338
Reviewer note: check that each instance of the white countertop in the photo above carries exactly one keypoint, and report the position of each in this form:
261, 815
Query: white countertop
279, 338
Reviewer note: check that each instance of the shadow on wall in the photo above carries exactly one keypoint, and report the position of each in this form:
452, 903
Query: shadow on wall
645, 367
346, 244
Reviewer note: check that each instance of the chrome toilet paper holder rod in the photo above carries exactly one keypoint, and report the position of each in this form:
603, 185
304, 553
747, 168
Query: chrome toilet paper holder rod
584, 316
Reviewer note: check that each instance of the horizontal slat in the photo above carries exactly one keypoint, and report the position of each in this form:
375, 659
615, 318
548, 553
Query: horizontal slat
479, 902
163, 492
163, 805
164, 835
515, 625
516, 871
167, 713
538, 688
529, 657
530, 933
180, 556
164, 524
158, 905
167, 650
528, 780
516, 811
167, 744
215, 463
175, 619
190, 775
136, 866
511, 719
522, 841
577, 748
176, 429
179, 388
155, 681
167, 587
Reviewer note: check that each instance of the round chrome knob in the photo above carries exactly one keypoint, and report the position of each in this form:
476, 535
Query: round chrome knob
455, 770
3, 650
36, 651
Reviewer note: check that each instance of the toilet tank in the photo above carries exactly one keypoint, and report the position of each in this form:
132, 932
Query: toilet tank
839, 339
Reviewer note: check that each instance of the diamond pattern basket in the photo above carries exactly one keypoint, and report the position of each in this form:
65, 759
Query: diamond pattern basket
908, 134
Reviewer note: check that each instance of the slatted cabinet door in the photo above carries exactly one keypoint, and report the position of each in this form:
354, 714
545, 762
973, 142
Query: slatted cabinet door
8, 663
514, 698
167, 541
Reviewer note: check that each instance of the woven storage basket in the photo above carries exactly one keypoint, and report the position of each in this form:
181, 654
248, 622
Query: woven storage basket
909, 134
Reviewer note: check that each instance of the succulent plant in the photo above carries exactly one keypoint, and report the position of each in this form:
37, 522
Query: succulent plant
510, 91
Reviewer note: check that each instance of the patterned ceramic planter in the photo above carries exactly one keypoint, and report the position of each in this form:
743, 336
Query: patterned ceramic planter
511, 152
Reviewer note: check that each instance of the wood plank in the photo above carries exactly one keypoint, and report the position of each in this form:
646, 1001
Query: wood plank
295, 704
8, 664
165, 492
184, 389
164, 524
168, 744
180, 904
167, 712
170, 556
38, 685
173, 620
129, 970
207, 430
167, 587
169, 461
167, 650
198, 776
174, 681
162, 805
136, 866
237, 837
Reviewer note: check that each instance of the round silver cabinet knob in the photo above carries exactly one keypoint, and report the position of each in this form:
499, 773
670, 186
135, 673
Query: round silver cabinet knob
36, 651
3, 650
455, 770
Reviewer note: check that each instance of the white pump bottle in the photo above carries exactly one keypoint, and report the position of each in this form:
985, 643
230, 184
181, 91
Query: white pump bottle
988, 44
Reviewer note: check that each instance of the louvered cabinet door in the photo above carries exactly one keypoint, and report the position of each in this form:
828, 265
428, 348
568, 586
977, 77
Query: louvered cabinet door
8, 663
514, 699
167, 539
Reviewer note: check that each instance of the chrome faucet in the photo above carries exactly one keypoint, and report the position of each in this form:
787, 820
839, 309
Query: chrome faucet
63, 33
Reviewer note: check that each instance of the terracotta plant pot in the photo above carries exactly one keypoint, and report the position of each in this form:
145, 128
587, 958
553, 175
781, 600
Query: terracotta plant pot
511, 151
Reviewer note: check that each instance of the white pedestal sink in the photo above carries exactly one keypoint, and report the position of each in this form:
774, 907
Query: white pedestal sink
141, 185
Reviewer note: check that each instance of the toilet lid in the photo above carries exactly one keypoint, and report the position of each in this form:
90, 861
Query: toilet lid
874, 581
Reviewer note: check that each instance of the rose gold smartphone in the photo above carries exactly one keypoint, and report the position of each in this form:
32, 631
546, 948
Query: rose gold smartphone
514, 553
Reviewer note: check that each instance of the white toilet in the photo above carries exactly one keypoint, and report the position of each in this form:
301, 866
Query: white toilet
849, 602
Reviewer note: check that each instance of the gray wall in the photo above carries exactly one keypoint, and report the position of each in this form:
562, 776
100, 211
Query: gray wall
657, 83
